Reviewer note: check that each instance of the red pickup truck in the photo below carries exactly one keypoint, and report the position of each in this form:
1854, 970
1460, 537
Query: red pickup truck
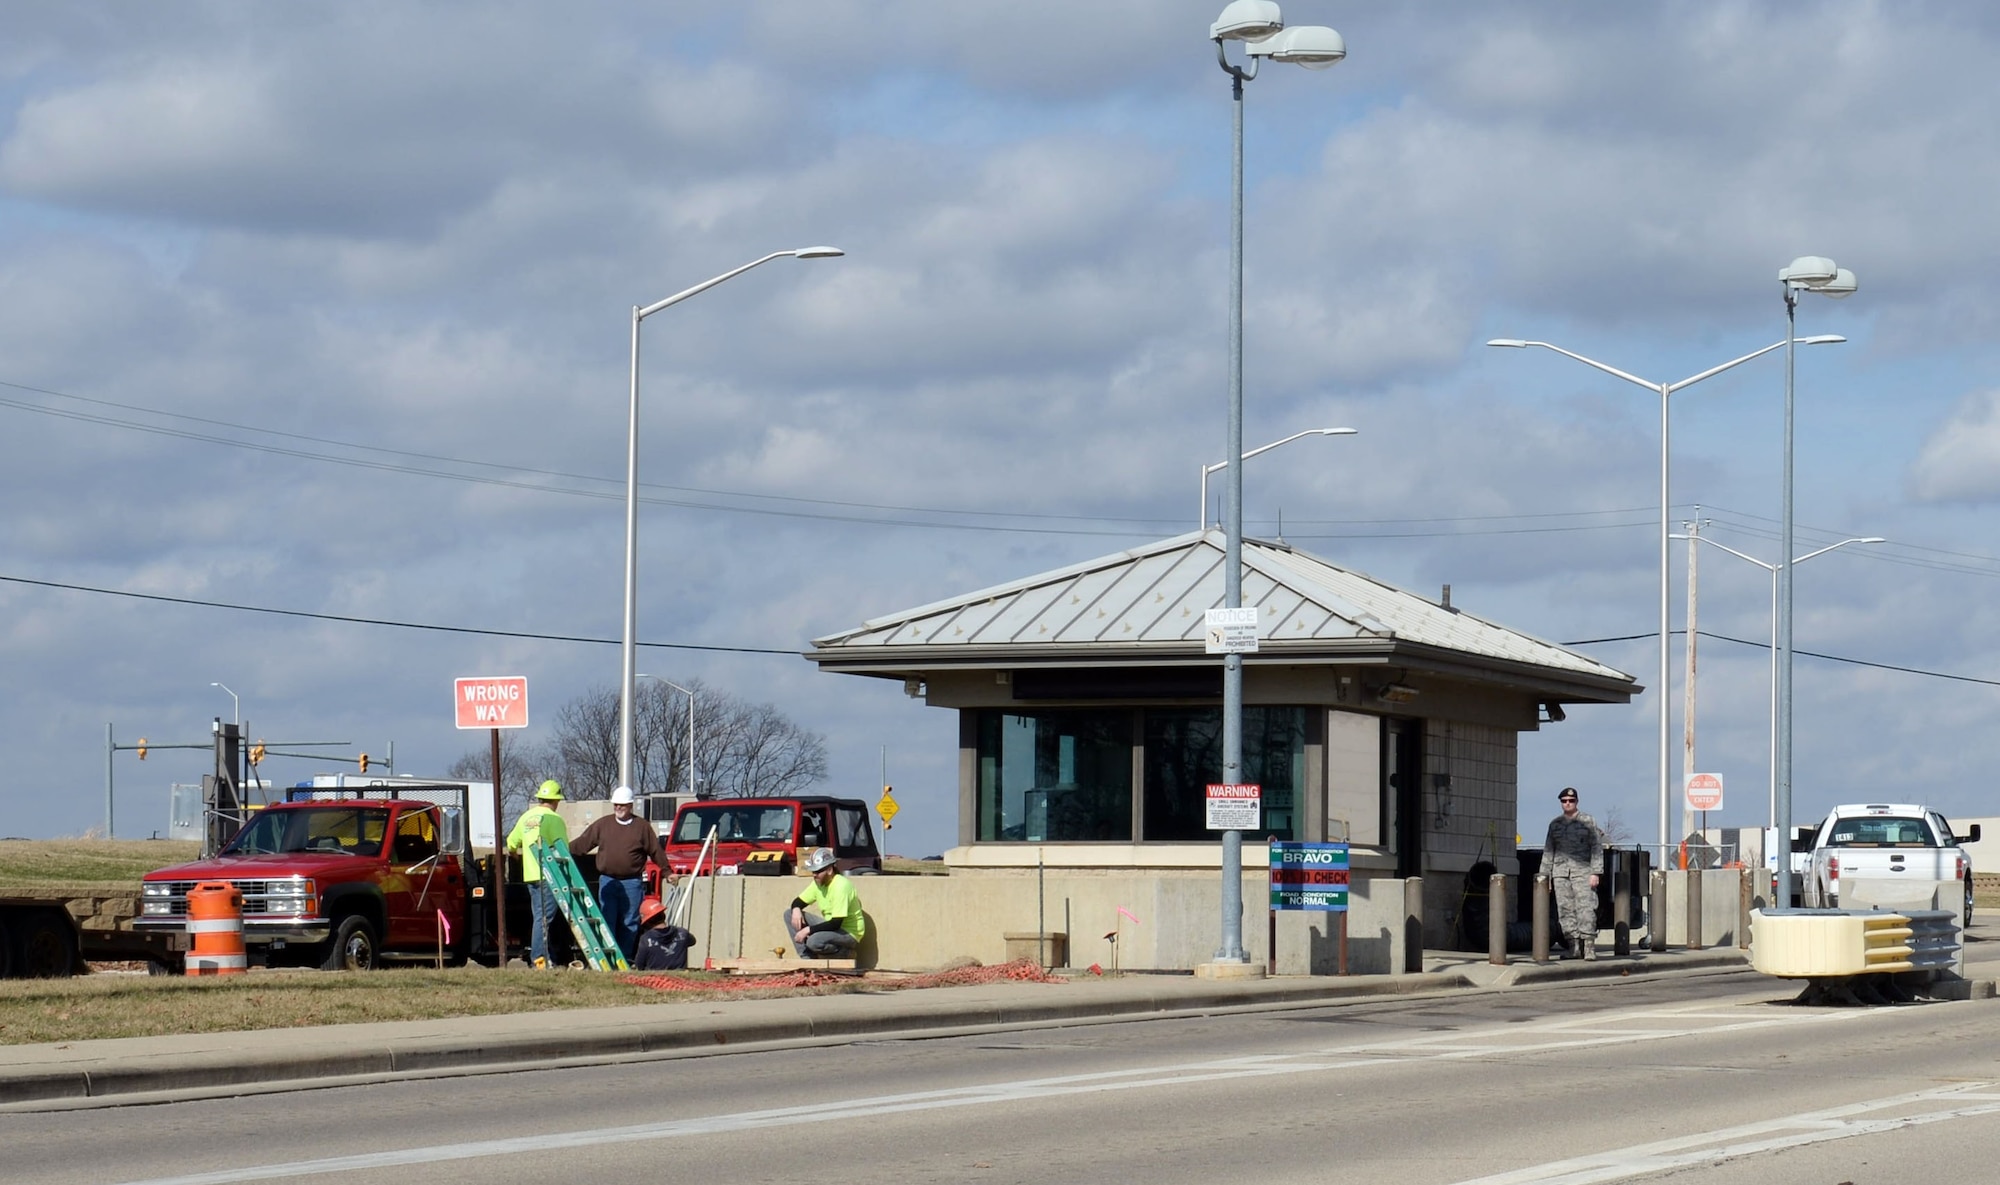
344, 878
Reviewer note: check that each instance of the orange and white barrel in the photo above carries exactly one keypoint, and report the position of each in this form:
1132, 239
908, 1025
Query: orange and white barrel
215, 920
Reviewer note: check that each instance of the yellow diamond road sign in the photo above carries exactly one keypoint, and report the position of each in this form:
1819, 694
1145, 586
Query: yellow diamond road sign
886, 808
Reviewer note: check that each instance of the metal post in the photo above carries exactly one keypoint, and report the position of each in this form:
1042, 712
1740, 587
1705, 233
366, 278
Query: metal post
499, 859
1413, 924
1666, 620
1746, 900
1539, 949
1496, 919
110, 772
628, 683
1231, 949
1621, 904
1656, 914
1782, 807
1689, 646
1694, 926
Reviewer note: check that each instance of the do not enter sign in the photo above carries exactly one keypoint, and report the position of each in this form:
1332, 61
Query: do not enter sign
492, 702
1704, 792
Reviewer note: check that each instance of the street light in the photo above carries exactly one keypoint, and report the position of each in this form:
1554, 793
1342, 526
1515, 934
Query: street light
1261, 27
1774, 569
1808, 273
238, 704
628, 683
1208, 469
1665, 392
689, 692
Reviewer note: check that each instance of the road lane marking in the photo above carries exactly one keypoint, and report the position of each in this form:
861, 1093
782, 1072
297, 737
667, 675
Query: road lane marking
1844, 1122
1555, 1034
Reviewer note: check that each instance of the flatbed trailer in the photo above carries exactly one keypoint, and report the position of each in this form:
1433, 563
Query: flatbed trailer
49, 931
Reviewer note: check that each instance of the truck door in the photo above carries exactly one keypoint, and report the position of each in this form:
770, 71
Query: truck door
422, 880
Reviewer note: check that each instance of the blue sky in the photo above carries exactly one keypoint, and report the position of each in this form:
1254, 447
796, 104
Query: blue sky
422, 229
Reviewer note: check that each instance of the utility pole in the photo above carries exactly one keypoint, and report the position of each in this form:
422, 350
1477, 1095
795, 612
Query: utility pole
1687, 734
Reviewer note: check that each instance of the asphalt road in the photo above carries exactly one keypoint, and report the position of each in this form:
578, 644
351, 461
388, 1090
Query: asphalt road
1707, 1077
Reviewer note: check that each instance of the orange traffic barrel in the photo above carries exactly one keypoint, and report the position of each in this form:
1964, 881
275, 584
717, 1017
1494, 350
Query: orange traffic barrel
215, 919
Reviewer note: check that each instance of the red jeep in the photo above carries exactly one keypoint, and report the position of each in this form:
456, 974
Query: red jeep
767, 836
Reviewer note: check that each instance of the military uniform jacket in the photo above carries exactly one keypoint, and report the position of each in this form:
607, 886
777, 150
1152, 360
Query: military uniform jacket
1575, 847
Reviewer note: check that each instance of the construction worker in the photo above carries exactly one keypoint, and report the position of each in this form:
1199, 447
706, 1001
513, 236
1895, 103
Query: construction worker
836, 930
539, 822
1571, 856
662, 946
622, 843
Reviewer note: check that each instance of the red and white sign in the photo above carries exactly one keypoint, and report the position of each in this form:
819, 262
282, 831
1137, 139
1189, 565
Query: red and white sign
492, 702
1234, 807
1704, 792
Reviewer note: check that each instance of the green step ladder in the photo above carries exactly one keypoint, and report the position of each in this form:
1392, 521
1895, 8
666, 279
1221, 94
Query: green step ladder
579, 908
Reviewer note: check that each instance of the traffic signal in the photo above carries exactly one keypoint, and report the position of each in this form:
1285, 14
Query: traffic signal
364, 763
257, 753
142, 748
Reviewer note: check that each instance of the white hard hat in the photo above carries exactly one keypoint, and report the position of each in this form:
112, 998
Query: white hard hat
622, 796
821, 858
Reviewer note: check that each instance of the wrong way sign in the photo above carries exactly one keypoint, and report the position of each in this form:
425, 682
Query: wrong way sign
492, 701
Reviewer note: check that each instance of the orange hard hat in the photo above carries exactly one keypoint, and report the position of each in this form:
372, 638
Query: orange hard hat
651, 908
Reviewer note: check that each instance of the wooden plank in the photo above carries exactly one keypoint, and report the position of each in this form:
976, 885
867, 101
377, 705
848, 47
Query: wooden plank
779, 966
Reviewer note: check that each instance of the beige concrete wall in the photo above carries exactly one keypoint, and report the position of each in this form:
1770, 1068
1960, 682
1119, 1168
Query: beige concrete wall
1721, 906
918, 923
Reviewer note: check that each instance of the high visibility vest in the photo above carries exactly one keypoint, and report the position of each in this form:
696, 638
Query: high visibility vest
538, 822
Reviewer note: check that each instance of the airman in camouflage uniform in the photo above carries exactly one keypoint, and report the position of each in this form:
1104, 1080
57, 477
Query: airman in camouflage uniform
1571, 857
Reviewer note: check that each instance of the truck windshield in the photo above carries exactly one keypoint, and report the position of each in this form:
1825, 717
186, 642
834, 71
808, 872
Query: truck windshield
734, 824
357, 831
1882, 831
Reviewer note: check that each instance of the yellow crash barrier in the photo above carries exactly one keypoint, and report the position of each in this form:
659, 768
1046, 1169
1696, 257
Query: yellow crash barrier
1805, 945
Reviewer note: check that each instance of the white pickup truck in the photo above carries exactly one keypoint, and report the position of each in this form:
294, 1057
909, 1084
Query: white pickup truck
1888, 856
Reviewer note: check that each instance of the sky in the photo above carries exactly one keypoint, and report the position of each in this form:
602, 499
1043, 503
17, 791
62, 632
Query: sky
315, 344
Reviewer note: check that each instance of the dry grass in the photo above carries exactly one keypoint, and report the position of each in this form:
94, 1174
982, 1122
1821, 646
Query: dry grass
102, 1006
112, 863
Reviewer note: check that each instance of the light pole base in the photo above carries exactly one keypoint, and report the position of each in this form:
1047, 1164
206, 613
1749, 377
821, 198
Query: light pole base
1229, 971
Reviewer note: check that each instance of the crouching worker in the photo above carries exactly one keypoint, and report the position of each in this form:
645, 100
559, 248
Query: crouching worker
661, 946
833, 929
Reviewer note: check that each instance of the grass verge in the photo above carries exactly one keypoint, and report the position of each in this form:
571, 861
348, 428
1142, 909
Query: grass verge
97, 1007
114, 863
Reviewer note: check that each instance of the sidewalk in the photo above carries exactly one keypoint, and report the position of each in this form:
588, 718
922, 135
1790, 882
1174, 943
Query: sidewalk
135, 1069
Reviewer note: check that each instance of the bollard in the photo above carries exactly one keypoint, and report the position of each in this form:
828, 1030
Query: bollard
1496, 919
1746, 901
215, 920
1694, 909
1539, 947
1621, 907
1413, 924
1656, 914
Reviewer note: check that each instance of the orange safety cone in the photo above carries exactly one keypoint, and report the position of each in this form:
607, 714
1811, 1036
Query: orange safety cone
215, 919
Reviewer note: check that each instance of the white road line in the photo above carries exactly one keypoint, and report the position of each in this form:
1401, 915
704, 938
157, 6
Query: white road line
1431, 1047
1771, 1135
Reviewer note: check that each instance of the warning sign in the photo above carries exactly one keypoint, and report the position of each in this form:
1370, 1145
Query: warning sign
1704, 792
1233, 807
492, 702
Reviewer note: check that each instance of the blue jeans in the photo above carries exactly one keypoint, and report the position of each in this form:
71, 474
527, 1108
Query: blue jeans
542, 897
618, 899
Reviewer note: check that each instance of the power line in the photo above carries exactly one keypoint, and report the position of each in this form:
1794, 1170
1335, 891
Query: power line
1857, 662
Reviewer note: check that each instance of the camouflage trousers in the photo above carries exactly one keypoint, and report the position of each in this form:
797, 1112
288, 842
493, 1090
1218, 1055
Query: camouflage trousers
1576, 905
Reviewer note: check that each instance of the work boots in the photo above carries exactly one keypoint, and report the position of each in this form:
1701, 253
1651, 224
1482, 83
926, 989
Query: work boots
1589, 949
1575, 950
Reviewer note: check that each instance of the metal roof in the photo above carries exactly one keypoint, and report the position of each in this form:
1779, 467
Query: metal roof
1152, 599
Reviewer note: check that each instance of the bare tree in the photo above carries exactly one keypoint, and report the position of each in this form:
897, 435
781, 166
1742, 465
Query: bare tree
753, 749
523, 765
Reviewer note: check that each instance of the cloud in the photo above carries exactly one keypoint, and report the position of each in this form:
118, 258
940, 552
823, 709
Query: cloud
1960, 462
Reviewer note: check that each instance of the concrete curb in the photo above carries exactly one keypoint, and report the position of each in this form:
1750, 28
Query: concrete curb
136, 1070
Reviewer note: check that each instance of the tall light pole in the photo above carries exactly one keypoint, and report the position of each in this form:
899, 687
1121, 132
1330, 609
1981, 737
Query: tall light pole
237, 704
1202, 521
628, 683
1259, 25
1774, 568
1665, 391
1808, 273
688, 692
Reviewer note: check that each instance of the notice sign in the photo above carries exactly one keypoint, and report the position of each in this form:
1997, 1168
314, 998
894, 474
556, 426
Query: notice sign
1231, 631
1704, 792
494, 702
1234, 807
1309, 876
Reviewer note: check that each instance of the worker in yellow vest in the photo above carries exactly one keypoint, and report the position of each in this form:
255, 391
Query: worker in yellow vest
539, 822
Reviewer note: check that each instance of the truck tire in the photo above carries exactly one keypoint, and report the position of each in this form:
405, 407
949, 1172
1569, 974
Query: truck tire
1968, 903
6, 948
354, 946
45, 947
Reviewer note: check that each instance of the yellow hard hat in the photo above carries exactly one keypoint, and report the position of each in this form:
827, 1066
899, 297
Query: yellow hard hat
549, 791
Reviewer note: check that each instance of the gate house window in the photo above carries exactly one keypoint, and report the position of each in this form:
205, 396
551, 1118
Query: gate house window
1184, 754
1055, 775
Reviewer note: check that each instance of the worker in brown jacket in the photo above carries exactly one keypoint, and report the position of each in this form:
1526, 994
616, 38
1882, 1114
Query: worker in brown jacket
622, 843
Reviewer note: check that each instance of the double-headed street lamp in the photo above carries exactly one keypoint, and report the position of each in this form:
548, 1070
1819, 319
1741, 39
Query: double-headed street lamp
1665, 391
628, 681
1774, 568
1260, 26
1808, 273
1202, 521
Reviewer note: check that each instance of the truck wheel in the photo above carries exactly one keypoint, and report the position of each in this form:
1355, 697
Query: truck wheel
45, 948
353, 947
6, 949
1968, 904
